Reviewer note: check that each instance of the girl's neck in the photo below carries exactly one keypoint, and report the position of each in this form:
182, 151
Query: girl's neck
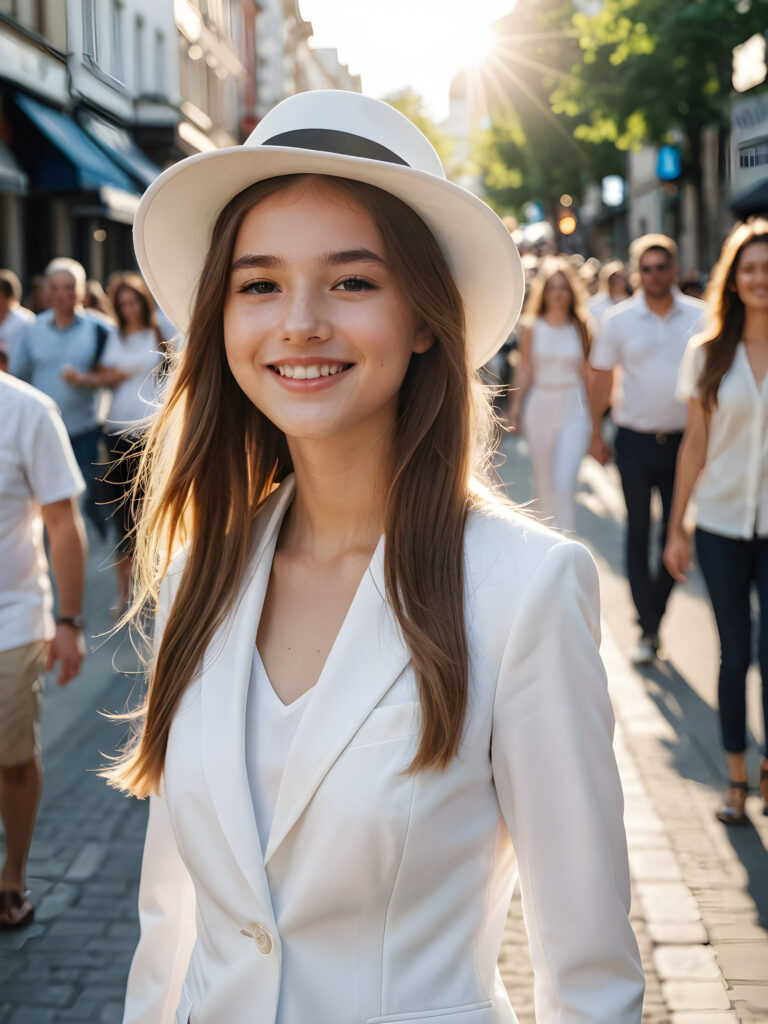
133, 328
557, 317
755, 326
341, 494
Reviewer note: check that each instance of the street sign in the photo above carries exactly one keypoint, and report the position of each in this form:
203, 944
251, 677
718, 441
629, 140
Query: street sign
669, 165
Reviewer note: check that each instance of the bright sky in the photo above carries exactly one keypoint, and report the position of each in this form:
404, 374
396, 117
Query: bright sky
398, 43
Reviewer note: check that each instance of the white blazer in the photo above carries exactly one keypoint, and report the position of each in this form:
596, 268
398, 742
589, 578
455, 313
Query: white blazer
382, 896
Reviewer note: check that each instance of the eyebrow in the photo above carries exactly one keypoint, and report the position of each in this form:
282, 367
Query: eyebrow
331, 259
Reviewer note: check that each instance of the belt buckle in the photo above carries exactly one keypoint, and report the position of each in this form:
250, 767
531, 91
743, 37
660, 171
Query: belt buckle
661, 438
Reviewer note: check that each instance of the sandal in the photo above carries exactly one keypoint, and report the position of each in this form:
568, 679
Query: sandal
764, 788
16, 909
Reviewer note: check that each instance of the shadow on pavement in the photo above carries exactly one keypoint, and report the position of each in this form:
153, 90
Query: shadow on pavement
748, 847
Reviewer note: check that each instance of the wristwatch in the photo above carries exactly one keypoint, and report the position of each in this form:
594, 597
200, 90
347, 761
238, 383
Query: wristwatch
76, 621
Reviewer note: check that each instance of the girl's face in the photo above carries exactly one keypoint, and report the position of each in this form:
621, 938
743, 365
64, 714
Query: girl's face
751, 278
557, 294
128, 305
318, 332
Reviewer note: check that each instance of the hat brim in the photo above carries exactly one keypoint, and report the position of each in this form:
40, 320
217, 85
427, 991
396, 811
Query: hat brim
175, 219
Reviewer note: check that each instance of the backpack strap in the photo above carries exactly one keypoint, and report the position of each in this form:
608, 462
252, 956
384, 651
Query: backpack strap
101, 340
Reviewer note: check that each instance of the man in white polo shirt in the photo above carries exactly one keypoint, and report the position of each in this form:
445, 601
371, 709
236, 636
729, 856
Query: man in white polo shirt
644, 338
39, 485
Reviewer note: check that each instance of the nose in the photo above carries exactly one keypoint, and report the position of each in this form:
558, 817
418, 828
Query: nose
306, 316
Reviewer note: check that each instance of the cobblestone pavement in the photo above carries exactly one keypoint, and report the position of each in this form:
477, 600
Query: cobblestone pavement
698, 890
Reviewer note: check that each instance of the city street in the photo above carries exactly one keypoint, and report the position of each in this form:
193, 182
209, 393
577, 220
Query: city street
700, 892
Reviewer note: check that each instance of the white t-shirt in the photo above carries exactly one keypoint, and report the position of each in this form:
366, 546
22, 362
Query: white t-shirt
648, 349
137, 397
269, 730
37, 467
732, 492
11, 326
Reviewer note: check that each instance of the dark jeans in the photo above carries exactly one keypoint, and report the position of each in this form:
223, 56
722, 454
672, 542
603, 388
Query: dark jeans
645, 462
124, 452
86, 449
731, 567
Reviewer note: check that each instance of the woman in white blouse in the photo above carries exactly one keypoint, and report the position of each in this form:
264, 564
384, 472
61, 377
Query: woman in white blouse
724, 457
554, 350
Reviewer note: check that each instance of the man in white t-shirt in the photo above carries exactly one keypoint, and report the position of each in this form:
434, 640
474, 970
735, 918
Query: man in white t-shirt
39, 485
645, 338
13, 315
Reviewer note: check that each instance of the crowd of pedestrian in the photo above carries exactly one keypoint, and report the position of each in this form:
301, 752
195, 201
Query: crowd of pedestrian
678, 368
79, 380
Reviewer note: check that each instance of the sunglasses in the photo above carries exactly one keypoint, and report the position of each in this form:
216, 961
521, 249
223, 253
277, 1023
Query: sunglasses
655, 268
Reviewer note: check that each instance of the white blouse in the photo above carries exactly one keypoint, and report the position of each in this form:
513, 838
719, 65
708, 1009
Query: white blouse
269, 729
732, 494
557, 355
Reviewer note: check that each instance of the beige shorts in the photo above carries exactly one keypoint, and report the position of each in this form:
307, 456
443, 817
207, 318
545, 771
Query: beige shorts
22, 679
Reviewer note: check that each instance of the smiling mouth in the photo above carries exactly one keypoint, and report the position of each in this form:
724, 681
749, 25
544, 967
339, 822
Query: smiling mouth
310, 372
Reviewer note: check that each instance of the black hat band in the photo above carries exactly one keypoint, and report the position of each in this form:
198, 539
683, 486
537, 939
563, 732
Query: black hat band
328, 140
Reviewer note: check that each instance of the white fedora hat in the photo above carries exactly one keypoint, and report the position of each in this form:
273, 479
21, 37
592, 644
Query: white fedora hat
345, 135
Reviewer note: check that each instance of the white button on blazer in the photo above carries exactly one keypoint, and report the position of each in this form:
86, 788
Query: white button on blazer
382, 896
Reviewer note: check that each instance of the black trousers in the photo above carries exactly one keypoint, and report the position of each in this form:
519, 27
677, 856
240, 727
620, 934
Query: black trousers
731, 568
645, 462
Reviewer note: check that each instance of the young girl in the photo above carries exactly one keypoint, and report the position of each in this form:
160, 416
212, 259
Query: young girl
370, 678
554, 348
724, 379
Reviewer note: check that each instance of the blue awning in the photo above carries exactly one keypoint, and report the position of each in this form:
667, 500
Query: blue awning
88, 164
120, 147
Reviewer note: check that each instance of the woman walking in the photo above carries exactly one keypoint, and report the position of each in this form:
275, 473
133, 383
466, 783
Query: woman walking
370, 677
132, 364
554, 349
724, 459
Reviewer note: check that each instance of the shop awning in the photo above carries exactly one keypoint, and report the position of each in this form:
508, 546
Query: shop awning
85, 161
120, 147
12, 178
752, 201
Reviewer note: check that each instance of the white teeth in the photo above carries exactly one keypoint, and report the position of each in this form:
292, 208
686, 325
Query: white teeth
309, 372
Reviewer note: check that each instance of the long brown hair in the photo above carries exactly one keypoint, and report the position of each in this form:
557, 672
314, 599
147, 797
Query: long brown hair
135, 283
725, 310
536, 305
213, 457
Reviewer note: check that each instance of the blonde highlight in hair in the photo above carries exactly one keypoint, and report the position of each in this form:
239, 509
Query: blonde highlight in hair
212, 458
725, 310
536, 305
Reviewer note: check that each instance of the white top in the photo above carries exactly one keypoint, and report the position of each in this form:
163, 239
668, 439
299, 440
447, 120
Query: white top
37, 467
599, 304
648, 349
557, 355
732, 493
137, 397
269, 729
11, 326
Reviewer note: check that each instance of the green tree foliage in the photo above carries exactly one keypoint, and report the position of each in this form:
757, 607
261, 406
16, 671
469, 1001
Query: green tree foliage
648, 66
529, 152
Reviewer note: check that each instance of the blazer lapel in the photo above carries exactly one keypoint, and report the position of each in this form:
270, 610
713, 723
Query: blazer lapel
224, 689
367, 657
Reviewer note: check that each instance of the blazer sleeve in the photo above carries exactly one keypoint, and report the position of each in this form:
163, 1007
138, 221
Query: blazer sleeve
166, 907
560, 794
